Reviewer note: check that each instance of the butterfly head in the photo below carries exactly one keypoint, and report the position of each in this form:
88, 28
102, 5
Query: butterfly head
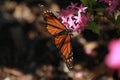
68, 31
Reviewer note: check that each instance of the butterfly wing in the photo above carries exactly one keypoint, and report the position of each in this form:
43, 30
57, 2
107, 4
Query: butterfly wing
54, 26
62, 41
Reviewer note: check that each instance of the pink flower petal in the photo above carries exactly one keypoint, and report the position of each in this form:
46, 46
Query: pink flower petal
71, 20
112, 60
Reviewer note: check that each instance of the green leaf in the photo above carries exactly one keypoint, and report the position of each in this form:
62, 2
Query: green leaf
85, 2
99, 10
92, 26
89, 3
118, 20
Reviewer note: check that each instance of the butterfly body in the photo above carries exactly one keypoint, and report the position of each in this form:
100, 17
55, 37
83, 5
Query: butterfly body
65, 32
61, 35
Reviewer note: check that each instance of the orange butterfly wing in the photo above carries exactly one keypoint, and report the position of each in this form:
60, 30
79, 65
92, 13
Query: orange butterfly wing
53, 25
62, 41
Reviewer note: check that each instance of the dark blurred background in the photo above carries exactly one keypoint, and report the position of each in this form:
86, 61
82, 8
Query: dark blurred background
27, 51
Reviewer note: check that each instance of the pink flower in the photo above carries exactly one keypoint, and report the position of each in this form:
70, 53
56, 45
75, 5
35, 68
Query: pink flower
70, 22
112, 60
79, 74
112, 5
73, 21
65, 12
73, 6
81, 8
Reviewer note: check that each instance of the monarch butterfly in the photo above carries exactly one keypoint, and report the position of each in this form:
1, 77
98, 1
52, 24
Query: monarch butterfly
61, 34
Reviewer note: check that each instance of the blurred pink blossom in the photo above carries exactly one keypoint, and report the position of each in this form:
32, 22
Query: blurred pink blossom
112, 5
73, 6
112, 60
73, 17
79, 74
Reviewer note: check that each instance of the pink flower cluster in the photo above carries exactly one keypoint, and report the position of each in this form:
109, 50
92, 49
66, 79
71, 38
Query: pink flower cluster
73, 17
112, 60
112, 5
